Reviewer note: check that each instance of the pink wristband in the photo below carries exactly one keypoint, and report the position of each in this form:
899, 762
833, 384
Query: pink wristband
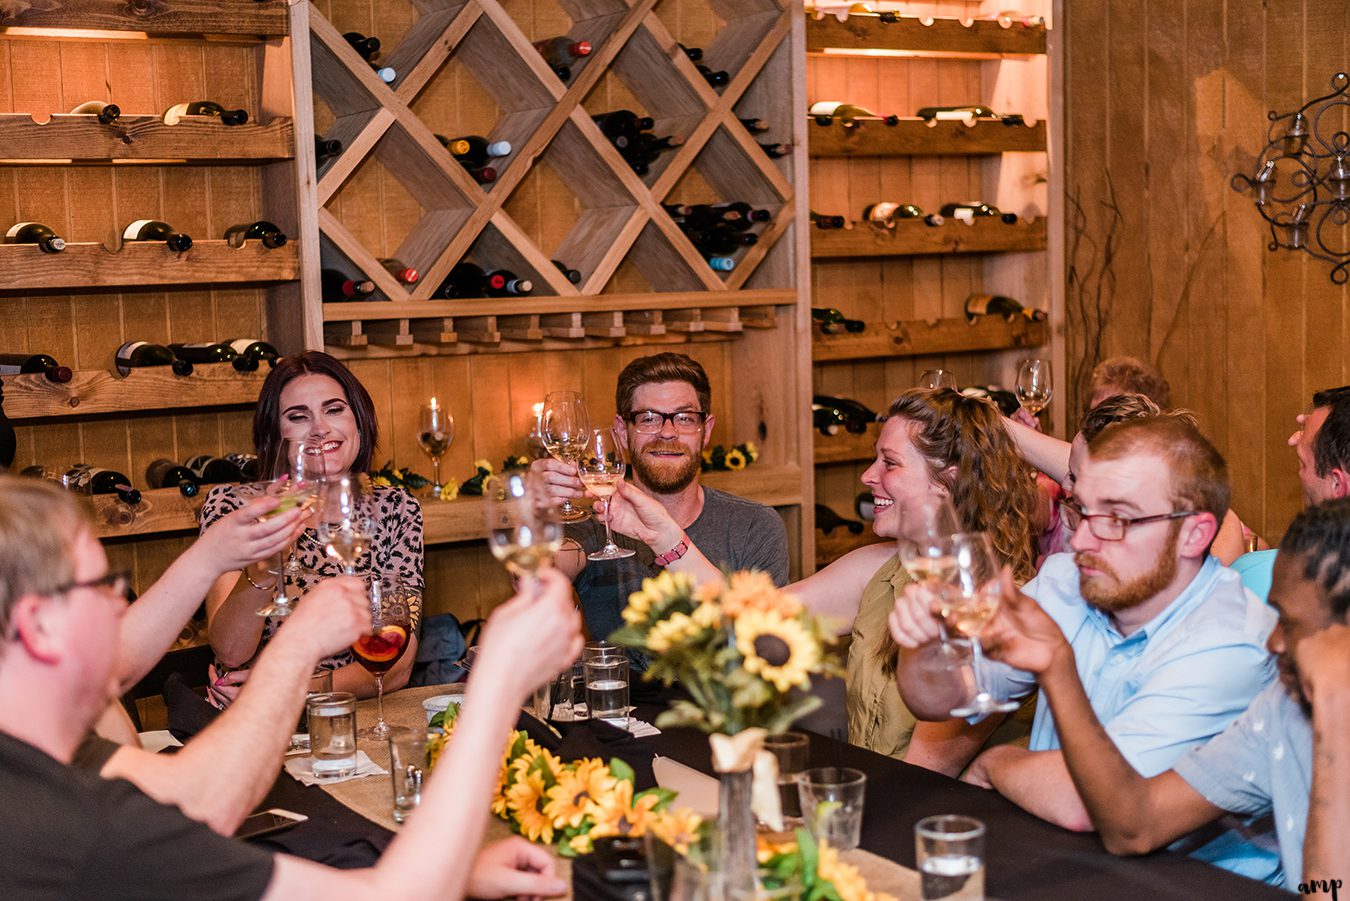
674, 553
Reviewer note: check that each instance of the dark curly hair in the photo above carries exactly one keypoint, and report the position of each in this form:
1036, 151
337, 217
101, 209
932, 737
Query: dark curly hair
1320, 537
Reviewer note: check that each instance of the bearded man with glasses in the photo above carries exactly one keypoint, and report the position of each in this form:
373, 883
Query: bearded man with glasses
1169, 647
664, 419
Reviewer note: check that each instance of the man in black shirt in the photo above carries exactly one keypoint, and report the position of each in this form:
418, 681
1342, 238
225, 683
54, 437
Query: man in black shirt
67, 834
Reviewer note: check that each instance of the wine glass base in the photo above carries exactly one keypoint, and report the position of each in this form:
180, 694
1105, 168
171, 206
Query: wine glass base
378, 731
276, 609
613, 552
576, 514
984, 705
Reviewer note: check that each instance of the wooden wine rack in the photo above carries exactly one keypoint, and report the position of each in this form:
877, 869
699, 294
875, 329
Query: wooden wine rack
917, 338
847, 447
913, 237
930, 36
92, 392
143, 263
140, 139
915, 137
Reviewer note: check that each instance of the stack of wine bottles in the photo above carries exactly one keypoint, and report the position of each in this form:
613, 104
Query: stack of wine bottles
758, 127
887, 214
475, 153
719, 230
830, 414
717, 78
108, 113
850, 115
561, 53
469, 279
631, 136
368, 48
48, 241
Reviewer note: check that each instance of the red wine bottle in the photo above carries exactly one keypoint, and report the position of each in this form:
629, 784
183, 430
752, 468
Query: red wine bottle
474, 151
24, 364
827, 222
107, 113
755, 126
203, 352
826, 112
262, 230
47, 240
366, 47
776, 151
504, 283
86, 479
338, 286
572, 275
255, 350
695, 54
205, 108
469, 280
622, 123
326, 149
717, 78
211, 470
484, 175
247, 463
400, 270
156, 230
561, 52
164, 473
139, 354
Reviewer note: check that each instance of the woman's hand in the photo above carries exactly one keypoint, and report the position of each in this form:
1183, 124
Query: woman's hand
244, 537
631, 511
515, 868
223, 689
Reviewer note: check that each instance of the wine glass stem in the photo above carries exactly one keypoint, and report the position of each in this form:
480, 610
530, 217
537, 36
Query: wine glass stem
436, 473
976, 659
609, 533
379, 700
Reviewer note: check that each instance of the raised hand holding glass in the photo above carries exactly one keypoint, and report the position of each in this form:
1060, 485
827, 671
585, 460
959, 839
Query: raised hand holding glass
300, 484
524, 531
969, 604
564, 429
347, 526
602, 468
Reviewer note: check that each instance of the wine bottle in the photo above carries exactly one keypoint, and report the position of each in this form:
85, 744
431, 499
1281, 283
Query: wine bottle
827, 222
400, 270
695, 54
832, 322
85, 479
139, 354
211, 470
966, 114
754, 126
337, 286
262, 230
205, 108
827, 521
163, 473
776, 151
855, 416
721, 264
968, 212
386, 74
826, 420
47, 240
561, 52
721, 242
846, 114
741, 208
623, 123
717, 78
564, 73
156, 230
24, 364
107, 113
326, 149
252, 348
247, 463
504, 283
468, 280
484, 175
474, 151
887, 214
978, 305
366, 47
572, 275
203, 352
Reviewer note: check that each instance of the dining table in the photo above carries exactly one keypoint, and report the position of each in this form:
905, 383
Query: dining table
1025, 857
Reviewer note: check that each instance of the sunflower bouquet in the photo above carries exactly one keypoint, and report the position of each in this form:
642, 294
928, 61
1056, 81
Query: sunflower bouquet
729, 459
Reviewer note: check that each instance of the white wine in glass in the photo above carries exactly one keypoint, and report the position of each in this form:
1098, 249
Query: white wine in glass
301, 483
435, 434
1035, 386
565, 430
524, 532
602, 468
970, 603
347, 526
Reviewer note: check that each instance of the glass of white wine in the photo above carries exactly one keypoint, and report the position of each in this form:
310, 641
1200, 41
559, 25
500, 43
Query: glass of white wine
1035, 386
565, 430
937, 378
928, 553
347, 527
435, 434
300, 484
602, 468
971, 601
523, 528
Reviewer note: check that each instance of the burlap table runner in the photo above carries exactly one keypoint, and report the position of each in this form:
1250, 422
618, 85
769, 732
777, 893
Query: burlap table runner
372, 797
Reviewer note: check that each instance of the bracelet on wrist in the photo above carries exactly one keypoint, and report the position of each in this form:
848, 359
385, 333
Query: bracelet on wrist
674, 553
255, 584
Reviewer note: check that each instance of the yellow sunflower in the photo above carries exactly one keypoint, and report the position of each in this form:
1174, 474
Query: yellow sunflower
754, 590
677, 827
616, 813
450, 490
751, 451
777, 650
574, 797
483, 466
707, 457
708, 616
522, 799
678, 628
734, 460
846, 879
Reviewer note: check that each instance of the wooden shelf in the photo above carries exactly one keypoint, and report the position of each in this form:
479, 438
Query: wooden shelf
839, 542
915, 137
924, 36
143, 263
920, 337
91, 392
161, 511
846, 447
598, 303
83, 139
265, 18
913, 238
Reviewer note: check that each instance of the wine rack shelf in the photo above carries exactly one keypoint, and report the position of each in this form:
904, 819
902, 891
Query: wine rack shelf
142, 139
263, 18
166, 511
143, 263
847, 447
915, 137
840, 541
920, 337
924, 36
913, 238
91, 392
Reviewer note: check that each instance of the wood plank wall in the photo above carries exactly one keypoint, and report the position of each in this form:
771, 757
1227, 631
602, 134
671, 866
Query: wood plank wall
1164, 102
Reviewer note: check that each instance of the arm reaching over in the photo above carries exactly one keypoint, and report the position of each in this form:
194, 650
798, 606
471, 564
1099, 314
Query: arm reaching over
1324, 671
1047, 453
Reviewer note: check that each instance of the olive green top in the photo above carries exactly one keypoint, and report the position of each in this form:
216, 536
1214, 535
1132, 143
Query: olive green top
877, 719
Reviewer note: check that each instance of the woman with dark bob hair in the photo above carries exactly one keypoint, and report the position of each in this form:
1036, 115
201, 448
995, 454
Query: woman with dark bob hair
934, 444
312, 396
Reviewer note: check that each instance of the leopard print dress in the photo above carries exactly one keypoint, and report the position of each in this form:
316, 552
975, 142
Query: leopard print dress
396, 552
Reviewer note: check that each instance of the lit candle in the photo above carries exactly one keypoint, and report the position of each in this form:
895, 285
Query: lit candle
434, 404
538, 410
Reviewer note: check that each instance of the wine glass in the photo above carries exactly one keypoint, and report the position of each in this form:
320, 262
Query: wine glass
928, 552
435, 434
382, 647
970, 602
937, 378
1035, 386
602, 468
347, 527
565, 430
300, 484
523, 528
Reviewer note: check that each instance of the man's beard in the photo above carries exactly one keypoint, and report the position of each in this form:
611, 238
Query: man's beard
1125, 595
666, 476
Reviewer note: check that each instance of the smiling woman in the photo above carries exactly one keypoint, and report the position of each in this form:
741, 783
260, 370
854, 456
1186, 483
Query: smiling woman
314, 398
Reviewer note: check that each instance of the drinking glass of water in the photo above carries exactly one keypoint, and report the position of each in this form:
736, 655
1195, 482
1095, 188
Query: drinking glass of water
832, 805
332, 734
606, 672
790, 750
950, 853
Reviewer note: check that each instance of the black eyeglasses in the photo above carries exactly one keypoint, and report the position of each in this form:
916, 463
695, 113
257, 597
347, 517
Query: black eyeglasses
650, 422
115, 582
1109, 526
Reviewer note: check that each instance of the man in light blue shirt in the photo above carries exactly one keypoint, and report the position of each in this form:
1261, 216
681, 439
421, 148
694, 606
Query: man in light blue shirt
1167, 645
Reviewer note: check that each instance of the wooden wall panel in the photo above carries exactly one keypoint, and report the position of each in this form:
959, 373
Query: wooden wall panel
1162, 106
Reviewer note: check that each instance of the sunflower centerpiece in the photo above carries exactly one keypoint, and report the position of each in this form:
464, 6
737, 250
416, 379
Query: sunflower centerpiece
738, 647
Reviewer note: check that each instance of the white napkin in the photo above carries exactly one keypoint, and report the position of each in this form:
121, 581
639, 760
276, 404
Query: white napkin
302, 768
157, 740
697, 791
636, 727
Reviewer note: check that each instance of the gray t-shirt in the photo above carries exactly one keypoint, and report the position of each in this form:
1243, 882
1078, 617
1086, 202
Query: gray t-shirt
732, 532
1261, 764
